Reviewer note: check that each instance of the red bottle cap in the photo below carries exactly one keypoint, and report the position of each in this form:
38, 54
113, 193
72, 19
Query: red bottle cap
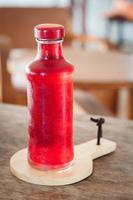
49, 32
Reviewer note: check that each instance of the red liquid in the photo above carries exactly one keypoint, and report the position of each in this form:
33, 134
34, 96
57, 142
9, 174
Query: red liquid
50, 101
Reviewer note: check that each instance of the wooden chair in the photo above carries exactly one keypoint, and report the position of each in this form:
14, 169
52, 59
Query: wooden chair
6, 90
8, 94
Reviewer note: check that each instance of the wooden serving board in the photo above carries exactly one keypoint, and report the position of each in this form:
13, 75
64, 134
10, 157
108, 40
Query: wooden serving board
84, 154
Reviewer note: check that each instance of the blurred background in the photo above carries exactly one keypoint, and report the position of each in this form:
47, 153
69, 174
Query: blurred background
98, 42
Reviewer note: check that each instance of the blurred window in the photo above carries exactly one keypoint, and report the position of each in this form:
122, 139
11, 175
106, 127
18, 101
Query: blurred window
35, 3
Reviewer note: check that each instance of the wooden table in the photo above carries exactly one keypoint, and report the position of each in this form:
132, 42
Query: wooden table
96, 71
113, 174
92, 69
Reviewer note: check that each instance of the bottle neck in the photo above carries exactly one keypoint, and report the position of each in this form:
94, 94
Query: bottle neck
48, 50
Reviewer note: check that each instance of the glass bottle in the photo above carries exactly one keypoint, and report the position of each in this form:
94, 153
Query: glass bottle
50, 102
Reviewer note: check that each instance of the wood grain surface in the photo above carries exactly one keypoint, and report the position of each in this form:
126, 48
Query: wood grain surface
113, 174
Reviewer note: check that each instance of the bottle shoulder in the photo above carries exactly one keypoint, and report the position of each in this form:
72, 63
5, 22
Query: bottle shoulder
41, 66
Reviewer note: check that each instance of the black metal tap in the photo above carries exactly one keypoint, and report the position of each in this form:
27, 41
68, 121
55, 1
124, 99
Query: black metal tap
99, 122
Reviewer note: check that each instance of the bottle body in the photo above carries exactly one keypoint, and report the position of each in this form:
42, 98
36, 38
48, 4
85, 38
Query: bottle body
50, 104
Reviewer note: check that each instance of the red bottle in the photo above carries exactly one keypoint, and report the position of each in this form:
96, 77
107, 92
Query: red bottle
50, 101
